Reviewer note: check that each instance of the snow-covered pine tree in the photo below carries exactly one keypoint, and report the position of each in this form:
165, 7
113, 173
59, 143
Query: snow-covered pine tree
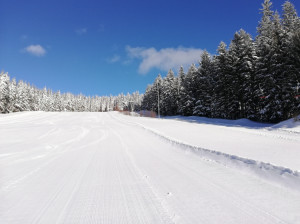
242, 53
205, 85
223, 74
157, 87
12, 95
276, 71
43, 99
169, 94
136, 99
296, 52
4, 92
153, 95
281, 95
147, 100
291, 26
290, 18
21, 97
187, 96
179, 81
57, 102
264, 80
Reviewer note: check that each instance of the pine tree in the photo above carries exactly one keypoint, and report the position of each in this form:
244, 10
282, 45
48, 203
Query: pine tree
157, 92
147, 100
223, 82
282, 65
290, 20
276, 71
291, 26
181, 90
296, 53
4, 92
179, 84
21, 97
57, 102
205, 85
187, 97
12, 95
169, 94
264, 81
242, 53
152, 97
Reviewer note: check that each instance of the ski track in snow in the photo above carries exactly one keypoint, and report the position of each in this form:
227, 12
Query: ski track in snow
107, 168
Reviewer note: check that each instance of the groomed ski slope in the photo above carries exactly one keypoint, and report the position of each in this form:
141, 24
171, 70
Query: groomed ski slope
110, 168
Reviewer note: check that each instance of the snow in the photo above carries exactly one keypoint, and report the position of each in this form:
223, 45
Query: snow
111, 168
278, 144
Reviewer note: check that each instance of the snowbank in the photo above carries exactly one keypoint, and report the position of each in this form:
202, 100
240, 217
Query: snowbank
282, 175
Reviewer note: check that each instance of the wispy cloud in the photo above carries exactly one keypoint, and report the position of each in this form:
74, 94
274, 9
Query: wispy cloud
114, 59
81, 31
165, 58
36, 50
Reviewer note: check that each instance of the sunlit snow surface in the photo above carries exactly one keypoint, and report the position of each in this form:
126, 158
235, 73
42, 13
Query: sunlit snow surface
111, 168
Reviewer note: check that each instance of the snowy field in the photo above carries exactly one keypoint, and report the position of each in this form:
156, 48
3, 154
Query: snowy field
111, 168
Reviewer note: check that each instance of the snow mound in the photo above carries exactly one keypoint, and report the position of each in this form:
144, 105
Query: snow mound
288, 124
277, 174
292, 124
224, 122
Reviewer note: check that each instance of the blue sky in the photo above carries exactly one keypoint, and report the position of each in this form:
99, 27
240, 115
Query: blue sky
102, 47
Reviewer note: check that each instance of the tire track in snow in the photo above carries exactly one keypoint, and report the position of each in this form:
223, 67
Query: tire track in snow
60, 190
63, 147
161, 206
79, 180
75, 189
110, 191
24, 117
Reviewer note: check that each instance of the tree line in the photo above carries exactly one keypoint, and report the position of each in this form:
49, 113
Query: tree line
21, 96
255, 78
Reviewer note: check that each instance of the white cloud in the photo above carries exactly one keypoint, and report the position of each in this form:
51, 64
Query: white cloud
114, 59
165, 58
81, 31
36, 50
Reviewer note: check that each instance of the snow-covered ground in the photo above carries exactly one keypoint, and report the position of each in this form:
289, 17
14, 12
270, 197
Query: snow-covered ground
276, 144
110, 168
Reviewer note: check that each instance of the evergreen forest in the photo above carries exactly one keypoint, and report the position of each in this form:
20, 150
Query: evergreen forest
255, 78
